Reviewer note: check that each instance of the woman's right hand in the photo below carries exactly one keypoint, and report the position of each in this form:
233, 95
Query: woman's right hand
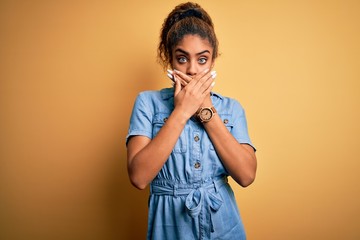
189, 98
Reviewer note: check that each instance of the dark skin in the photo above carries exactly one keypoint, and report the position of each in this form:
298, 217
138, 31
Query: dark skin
192, 61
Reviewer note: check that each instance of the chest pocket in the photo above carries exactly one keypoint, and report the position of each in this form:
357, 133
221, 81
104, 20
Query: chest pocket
228, 122
158, 122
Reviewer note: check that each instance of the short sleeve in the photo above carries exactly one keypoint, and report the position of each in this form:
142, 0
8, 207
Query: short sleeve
141, 119
240, 128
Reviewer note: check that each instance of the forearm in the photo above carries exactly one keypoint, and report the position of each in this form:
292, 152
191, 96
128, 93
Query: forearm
145, 162
146, 157
238, 159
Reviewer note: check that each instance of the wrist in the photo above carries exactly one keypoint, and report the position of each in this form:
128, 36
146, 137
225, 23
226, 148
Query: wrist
181, 116
207, 102
205, 114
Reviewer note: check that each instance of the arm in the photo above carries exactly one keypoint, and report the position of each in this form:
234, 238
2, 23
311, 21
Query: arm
239, 159
147, 156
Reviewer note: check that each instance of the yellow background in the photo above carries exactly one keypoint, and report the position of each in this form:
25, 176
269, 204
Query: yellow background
69, 74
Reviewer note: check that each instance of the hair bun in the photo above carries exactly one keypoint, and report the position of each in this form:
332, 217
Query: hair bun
192, 12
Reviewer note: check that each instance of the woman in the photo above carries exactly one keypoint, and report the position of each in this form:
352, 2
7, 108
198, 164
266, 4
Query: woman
184, 141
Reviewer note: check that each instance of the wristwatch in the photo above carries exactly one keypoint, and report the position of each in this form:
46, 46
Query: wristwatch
205, 114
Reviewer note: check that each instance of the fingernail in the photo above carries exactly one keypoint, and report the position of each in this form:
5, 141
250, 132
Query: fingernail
213, 75
170, 76
212, 84
213, 72
169, 71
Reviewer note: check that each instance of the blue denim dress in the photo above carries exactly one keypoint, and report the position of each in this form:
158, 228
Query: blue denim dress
190, 197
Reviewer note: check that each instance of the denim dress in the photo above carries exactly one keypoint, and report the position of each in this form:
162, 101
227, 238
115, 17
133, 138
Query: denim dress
190, 197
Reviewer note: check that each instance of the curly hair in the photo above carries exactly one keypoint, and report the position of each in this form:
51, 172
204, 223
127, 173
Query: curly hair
186, 18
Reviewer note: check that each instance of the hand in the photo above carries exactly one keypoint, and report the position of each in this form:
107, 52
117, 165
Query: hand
190, 97
183, 82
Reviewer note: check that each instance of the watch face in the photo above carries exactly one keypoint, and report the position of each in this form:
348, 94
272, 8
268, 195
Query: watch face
206, 114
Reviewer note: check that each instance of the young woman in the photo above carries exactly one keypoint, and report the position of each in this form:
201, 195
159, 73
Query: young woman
184, 141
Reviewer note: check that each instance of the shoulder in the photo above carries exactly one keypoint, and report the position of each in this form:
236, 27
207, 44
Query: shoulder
227, 103
148, 94
156, 94
155, 101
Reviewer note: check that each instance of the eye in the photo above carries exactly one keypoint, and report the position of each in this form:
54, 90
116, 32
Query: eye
182, 59
202, 60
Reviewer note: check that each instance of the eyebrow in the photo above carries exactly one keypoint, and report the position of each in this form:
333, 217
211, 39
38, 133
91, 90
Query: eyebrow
186, 53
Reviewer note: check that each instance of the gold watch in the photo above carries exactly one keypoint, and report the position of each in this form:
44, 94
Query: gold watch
205, 114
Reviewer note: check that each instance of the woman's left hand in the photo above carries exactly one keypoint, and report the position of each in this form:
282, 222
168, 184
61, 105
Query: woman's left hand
186, 79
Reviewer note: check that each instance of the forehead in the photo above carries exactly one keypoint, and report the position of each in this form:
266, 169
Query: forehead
194, 44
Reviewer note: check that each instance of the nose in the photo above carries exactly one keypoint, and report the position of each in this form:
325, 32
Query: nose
191, 69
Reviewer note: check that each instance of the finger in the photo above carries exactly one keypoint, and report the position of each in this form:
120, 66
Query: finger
208, 84
183, 82
185, 78
203, 74
204, 83
208, 75
171, 76
204, 77
188, 81
209, 89
177, 86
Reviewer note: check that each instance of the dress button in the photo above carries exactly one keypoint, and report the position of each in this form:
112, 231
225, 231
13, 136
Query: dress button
197, 165
226, 121
196, 138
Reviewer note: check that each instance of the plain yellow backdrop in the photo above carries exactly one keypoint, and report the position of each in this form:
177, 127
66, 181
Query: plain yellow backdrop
69, 74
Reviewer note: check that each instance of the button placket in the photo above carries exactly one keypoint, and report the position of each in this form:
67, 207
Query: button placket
196, 164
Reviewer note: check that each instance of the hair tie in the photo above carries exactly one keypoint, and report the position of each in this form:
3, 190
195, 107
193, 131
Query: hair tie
190, 13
